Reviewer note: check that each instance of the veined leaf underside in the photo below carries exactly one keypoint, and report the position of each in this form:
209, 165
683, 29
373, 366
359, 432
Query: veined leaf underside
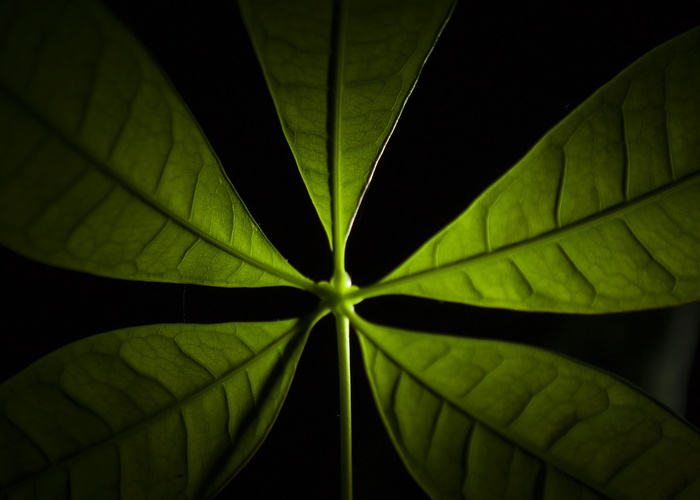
173, 409
483, 419
106, 170
600, 216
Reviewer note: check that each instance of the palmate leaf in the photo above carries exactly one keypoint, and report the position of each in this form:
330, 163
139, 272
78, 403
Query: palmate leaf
108, 173
603, 214
487, 419
162, 411
340, 73
103, 167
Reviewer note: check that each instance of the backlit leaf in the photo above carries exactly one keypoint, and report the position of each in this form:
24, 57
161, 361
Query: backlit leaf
486, 419
162, 411
340, 73
103, 167
603, 214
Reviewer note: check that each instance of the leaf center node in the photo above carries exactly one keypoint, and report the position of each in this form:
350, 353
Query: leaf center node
338, 295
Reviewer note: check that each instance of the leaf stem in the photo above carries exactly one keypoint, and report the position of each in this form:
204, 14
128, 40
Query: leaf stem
343, 331
340, 281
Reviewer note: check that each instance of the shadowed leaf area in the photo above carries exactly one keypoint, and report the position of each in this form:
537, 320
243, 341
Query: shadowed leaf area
163, 411
485, 419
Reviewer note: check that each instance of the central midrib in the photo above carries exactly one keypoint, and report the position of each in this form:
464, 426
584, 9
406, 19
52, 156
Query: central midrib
333, 126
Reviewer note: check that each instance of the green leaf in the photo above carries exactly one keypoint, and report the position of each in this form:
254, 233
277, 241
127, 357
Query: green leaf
603, 214
486, 419
162, 411
340, 73
103, 167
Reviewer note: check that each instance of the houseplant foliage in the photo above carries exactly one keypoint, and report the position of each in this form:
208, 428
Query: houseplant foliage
105, 171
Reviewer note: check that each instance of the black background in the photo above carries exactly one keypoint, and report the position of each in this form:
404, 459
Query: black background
500, 77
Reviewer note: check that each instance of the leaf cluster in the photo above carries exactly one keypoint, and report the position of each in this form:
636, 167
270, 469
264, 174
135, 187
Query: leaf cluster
584, 223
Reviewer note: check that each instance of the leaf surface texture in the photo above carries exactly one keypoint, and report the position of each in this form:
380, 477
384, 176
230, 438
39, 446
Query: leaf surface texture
340, 73
601, 215
161, 411
104, 169
487, 419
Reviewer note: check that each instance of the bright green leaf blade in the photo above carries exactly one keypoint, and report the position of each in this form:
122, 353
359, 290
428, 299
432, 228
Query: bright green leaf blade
161, 411
603, 214
339, 82
486, 419
103, 169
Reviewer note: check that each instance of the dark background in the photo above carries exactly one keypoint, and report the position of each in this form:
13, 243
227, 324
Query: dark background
500, 77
